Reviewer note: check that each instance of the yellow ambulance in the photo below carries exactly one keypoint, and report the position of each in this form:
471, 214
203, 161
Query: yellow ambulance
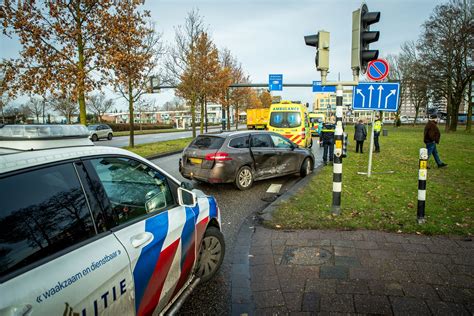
291, 120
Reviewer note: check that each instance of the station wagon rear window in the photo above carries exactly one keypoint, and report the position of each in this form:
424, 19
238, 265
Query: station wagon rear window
207, 142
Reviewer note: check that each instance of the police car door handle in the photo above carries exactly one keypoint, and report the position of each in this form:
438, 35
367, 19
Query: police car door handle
141, 239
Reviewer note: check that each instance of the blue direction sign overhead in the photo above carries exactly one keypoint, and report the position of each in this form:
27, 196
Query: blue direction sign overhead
317, 87
372, 96
275, 82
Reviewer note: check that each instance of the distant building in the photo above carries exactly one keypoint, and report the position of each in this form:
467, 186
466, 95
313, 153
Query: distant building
179, 119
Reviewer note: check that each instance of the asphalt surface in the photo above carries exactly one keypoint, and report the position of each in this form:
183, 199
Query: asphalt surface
214, 297
122, 141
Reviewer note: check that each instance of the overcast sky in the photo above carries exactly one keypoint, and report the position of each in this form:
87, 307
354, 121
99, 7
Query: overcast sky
266, 36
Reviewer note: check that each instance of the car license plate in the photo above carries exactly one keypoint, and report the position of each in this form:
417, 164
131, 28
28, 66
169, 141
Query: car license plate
196, 161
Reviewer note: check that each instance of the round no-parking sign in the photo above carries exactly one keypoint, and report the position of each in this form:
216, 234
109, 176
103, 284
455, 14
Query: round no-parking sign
377, 69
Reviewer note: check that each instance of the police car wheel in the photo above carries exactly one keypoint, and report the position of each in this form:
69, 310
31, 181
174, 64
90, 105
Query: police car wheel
94, 138
211, 254
244, 178
109, 137
306, 167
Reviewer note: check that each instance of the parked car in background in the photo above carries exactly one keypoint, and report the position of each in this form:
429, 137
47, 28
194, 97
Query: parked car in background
243, 157
92, 230
98, 131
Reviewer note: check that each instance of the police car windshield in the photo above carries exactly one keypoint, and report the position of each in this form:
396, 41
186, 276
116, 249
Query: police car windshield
285, 119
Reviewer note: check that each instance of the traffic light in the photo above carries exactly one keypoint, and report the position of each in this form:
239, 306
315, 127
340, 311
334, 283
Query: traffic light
321, 42
362, 36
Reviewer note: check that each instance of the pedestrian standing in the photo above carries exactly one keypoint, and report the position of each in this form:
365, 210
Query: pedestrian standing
327, 137
377, 129
431, 138
360, 135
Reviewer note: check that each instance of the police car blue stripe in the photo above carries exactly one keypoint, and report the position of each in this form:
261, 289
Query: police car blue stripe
188, 230
212, 207
158, 225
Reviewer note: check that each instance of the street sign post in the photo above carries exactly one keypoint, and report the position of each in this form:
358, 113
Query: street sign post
371, 96
377, 70
275, 82
317, 87
375, 96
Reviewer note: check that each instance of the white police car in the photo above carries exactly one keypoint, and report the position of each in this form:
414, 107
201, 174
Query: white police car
88, 230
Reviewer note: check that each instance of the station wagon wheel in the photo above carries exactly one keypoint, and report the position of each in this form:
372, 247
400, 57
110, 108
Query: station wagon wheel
109, 137
244, 178
306, 167
211, 254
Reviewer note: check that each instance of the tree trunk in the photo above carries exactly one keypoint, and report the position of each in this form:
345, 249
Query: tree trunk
201, 125
417, 109
236, 116
3, 114
469, 108
44, 105
205, 111
81, 70
228, 117
131, 141
453, 124
193, 115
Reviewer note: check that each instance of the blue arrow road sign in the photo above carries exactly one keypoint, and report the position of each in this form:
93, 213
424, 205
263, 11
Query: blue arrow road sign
317, 87
275, 82
372, 96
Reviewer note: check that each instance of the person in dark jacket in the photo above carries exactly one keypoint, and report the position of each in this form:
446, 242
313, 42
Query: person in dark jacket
327, 137
431, 138
360, 135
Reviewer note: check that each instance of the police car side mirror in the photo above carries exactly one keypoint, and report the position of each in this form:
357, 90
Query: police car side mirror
186, 198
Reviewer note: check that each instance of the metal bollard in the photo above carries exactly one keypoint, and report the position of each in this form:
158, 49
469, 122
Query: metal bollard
422, 173
344, 145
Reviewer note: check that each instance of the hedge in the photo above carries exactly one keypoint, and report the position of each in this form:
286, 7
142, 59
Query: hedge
126, 127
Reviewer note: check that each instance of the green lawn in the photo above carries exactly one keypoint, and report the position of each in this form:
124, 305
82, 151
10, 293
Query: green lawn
389, 201
150, 131
147, 150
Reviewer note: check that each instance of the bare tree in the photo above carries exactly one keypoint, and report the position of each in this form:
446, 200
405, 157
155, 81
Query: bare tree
446, 44
99, 105
396, 74
36, 107
415, 80
66, 107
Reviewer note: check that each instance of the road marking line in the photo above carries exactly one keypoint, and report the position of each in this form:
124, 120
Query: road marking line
274, 188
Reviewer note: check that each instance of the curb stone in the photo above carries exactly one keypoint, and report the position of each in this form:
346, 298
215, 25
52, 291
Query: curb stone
267, 214
161, 155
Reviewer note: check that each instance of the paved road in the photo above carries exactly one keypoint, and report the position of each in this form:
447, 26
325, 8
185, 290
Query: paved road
214, 298
122, 141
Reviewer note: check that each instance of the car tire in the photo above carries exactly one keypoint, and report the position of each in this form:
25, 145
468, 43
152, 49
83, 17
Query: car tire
306, 167
244, 178
211, 254
94, 137
109, 137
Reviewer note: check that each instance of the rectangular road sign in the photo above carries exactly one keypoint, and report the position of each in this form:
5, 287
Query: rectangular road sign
376, 96
275, 82
317, 87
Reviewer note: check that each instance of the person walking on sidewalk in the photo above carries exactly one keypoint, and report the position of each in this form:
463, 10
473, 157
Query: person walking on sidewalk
360, 135
431, 138
377, 129
327, 137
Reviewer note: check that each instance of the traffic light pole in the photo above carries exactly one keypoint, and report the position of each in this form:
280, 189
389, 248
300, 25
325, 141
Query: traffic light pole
338, 138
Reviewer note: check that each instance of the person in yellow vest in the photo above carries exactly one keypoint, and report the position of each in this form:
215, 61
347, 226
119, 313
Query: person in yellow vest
377, 129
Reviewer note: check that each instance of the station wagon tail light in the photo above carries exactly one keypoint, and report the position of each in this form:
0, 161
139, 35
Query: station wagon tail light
218, 156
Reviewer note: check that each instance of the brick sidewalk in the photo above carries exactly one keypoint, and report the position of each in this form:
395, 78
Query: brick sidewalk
366, 272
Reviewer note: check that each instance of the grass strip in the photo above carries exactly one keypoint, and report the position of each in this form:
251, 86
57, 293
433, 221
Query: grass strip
146, 150
389, 201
